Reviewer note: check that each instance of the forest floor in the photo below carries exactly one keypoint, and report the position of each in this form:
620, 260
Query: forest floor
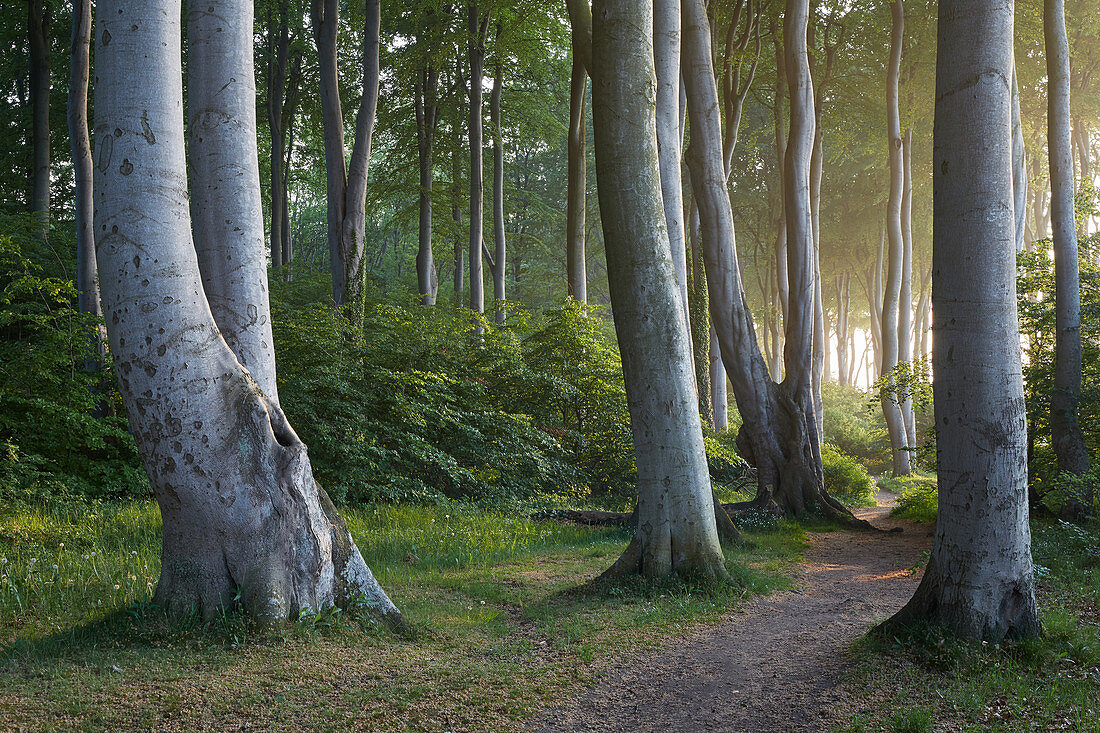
779, 662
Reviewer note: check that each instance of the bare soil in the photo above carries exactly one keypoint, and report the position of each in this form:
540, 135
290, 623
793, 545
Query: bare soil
779, 662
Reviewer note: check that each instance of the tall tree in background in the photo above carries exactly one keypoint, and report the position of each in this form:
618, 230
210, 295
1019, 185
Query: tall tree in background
284, 78
888, 339
209, 436
477, 25
580, 20
676, 527
346, 180
498, 263
39, 19
80, 49
426, 103
1068, 441
979, 581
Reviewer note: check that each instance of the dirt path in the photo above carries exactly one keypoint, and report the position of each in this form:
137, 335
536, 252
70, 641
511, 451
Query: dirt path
777, 663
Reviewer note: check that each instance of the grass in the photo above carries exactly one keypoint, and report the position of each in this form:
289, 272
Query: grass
505, 625
927, 681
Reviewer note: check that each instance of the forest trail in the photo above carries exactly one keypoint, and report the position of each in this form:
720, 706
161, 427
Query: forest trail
775, 664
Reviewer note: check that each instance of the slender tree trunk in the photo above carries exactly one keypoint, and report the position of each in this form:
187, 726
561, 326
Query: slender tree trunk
209, 436
86, 283
226, 211
476, 28
290, 112
427, 115
719, 399
1066, 436
888, 340
346, 183
698, 307
781, 278
278, 63
676, 530
843, 301
499, 243
577, 180
905, 298
979, 579
1019, 165
39, 20
666, 58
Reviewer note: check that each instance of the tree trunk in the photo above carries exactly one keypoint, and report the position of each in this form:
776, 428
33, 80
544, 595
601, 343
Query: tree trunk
278, 63
676, 530
888, 339
782, 280
290, 111
778, 434
499, 242
666, 59
843, 301
226, 210
716, 377
577, 180
979, 580
86, 283
209, 436
905, 298
456, 216
1065, 430
476, 55
1019, 164
427, 115
347, 183
39, 19
702, 347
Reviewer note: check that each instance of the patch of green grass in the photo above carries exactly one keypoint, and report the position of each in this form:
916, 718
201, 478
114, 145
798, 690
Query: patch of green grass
917, 496
1048, 683
506, 620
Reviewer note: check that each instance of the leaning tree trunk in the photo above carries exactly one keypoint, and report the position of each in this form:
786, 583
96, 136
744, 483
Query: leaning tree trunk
979, 579
778, 435
38, 25
244, 521
1065, 430
676, 530
226, 211
476, 55
346, 182
86, 284
888, 338
500, 248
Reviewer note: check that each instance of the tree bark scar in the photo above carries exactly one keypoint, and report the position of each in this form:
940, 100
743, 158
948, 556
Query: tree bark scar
146, 131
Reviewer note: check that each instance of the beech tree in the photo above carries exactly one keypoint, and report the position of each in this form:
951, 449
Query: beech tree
81, 146
1066, 436
676, 531
979, 580
243, 519
346, 180
477, 26
39, 18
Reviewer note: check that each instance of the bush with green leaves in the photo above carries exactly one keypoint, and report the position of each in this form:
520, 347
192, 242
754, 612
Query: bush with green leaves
854, 427
918, 498
846, 479
60, 436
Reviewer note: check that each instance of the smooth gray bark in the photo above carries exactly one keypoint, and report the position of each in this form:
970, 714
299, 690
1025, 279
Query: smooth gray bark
888, 338
498, 264
1066, 436
81, 144
278, 66
427, 119
346, 180
226, 211
905, 297
577, 181
676, 530
475, 53
979, 581
243, 519
1019, 165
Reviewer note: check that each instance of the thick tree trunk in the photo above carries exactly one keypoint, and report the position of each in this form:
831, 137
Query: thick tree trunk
476, 29
86, 283
346, 183
427, 111
1065, 430
979, 580
209, 436
499, 267
676, 530
39, 19
226, 211
888, 338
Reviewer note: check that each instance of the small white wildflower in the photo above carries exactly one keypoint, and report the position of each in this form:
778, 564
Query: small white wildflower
3, 561
85, 557
133, 552
55, 566
32, 561
61, 546
93, 553
116, 586
133, 577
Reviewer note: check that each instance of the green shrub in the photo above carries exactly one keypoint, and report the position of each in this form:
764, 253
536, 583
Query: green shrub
917, 497
60, 436
854, 427
845, 478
